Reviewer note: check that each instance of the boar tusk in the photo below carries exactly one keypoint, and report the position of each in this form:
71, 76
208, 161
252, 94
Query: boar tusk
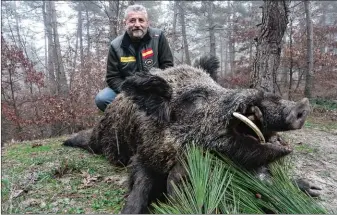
250, 124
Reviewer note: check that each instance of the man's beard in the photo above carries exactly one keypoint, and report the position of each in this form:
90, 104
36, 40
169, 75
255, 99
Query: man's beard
137, 33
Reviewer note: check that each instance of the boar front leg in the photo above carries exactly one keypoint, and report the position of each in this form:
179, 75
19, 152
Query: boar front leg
145, 186
310, 189
175, 176
263, 173
138, 198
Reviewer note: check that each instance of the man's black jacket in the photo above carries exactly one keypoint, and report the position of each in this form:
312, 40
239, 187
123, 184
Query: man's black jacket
124, 60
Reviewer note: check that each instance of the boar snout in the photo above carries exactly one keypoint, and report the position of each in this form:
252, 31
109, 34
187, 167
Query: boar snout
283, 115
298, 114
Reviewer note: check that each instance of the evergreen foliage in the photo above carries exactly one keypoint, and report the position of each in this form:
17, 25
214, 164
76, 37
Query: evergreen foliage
219, 186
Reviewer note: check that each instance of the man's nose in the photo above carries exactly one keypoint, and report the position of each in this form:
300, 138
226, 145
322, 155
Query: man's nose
137, 23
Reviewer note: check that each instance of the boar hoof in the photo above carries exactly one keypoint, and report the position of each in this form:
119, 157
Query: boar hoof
308, 188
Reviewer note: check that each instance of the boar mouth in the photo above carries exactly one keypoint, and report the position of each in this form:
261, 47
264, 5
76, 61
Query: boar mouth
251, 125
251, 129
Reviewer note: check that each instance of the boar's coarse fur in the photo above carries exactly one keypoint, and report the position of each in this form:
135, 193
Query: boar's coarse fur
157, 114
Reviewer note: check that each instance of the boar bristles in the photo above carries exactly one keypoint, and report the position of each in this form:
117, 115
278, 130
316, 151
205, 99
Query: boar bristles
208, 63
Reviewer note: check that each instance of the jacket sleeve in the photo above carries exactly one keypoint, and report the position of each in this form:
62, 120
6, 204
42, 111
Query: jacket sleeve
164, 53
114, 78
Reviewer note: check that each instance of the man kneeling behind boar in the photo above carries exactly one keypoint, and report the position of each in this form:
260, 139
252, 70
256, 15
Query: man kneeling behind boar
157, 114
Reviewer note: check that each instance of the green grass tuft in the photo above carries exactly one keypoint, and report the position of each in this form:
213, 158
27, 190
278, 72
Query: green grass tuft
324, 103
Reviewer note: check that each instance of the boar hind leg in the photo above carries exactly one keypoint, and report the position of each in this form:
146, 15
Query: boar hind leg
145, 186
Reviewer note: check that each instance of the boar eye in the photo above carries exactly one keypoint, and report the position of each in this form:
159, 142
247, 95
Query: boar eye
194, 99
189, 102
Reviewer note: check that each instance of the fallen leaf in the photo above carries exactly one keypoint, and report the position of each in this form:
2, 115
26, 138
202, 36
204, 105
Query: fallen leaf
89, 180
36, 145
119, 180
30, 202
17, 193
110, 179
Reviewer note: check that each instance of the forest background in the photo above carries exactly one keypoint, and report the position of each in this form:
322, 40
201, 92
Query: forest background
53, 54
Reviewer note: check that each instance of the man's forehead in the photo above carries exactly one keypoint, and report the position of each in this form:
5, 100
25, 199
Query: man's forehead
137, 14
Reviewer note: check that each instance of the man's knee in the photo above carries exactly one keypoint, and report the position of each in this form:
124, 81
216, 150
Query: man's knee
104, 97
100, 102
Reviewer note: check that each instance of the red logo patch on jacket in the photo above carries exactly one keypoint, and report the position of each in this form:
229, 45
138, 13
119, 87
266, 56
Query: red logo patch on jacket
147, 53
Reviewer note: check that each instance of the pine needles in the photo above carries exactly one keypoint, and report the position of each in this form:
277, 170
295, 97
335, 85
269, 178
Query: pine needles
216, 185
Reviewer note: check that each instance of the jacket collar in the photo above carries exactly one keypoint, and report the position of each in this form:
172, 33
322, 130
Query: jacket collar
127, 40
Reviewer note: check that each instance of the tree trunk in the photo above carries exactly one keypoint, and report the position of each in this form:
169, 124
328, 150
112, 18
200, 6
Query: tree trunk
111, 27
113, 18
45, 45
291, 60
183, 30
80, 36
226, 58
87, 69
175, 14
310, 61
269, 41
50, 59
71, 76
221, 54
62, 86
88, 33
251, 55
251, 44
323, 23
61, 81
16, 110
211, 27
21, 43
17, 28
299, 80
231, 39
116, 20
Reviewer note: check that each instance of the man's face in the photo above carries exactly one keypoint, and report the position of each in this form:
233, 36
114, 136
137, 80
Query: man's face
136, 24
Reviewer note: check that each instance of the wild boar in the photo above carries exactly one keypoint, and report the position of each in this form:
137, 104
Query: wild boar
157, 114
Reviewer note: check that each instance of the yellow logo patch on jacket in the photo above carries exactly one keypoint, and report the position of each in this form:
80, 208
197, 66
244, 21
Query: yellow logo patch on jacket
128, 59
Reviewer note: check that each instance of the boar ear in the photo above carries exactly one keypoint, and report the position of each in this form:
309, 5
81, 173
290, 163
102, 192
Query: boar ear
151, 93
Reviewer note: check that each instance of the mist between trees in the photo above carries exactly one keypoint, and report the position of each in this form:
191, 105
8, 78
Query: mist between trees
53, 53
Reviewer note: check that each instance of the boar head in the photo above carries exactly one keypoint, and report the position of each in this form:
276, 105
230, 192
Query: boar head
191, 107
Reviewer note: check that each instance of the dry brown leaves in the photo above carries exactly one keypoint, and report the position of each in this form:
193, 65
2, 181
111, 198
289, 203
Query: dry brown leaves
89, 180
36, 145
